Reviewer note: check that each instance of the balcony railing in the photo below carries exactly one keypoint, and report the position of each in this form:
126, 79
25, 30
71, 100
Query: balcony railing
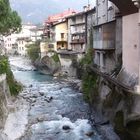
78, 41
104, 45
63, 39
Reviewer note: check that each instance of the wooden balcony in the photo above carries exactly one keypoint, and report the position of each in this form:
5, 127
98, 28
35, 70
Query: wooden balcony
78, 41
62, 40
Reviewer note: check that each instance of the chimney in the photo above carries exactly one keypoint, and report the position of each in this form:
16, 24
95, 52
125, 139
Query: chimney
89, 7
85, 8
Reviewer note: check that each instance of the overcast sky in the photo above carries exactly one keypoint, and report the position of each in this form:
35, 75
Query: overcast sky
36, 11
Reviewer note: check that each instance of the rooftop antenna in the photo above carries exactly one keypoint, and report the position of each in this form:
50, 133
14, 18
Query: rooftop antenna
88, 6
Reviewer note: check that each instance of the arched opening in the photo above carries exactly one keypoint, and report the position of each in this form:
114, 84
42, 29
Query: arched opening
126, 7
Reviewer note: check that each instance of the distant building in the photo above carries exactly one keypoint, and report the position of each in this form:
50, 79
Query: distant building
77, 32
55, 19
2, 49
22, 43
37, 33
16, 43
10, 44
60, 36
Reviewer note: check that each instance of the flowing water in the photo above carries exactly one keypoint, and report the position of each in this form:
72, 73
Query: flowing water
47, 109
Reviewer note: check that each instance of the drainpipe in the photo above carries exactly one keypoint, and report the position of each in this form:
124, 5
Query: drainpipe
137, 4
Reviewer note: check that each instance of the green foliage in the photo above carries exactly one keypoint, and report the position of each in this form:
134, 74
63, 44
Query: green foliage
14, 86
9, 20
33, 51
119, 123
88, 58
55, 57
85, 61
89, 86
89, 80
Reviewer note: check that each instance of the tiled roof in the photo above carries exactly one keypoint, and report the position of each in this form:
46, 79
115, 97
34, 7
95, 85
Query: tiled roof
59, 16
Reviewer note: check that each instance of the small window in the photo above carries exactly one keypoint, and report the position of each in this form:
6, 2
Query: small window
62, 35
62, 45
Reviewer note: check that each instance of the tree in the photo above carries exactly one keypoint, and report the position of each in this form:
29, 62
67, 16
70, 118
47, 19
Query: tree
10, 22
33, 51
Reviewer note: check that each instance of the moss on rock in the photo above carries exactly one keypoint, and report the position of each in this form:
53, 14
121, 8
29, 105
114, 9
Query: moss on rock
14, 86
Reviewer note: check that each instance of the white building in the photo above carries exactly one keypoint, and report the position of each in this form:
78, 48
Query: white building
16, 43
10, 44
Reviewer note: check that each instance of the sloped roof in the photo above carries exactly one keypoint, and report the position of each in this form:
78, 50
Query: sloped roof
126, 7
59, 16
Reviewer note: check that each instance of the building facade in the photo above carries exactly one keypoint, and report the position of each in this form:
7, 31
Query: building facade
16, 43
105, 35
60, 37
130, 73
77, 32
53, 19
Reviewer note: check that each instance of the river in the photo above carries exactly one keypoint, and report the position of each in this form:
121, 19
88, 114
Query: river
48, 109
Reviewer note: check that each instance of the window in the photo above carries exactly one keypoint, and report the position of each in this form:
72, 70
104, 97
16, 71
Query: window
62, 35
62, 45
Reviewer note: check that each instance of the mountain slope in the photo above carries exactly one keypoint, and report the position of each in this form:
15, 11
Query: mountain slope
36, 11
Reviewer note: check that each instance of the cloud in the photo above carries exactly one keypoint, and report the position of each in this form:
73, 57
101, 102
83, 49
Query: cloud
30, 14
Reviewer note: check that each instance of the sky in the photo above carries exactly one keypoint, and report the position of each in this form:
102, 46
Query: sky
36, 11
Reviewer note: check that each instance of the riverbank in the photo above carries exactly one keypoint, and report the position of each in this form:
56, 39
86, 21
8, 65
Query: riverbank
51, 109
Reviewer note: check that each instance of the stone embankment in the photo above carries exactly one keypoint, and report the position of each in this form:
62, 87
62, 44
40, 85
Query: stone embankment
114, 105
5, 100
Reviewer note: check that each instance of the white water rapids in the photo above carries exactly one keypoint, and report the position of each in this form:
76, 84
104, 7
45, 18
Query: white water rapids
47, 109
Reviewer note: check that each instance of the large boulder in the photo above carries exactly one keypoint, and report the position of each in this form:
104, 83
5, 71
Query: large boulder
47, 65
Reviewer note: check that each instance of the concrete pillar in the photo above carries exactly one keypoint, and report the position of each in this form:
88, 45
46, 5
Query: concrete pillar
101, 61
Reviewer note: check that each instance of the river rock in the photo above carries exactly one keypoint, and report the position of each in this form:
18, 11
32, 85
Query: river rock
34, 96
66, 127
41, 93
90, 134
48, 99
30, 86
41, 119
33, 100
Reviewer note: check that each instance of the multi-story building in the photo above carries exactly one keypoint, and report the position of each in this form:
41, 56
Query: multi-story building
55, 19
16, 43
10, 44
130, 73
77, 32
60, 36
107, 32
22, 43
37, 33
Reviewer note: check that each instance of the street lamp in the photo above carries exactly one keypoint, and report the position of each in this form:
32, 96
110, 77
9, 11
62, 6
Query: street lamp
137, 4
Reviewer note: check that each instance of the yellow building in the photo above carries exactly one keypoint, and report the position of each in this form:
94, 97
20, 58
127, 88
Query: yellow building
60, 36
46, 47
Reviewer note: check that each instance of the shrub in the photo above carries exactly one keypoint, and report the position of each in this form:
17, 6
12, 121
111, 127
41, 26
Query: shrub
33, 51
55, 57
88, 58
89, 86
14, 86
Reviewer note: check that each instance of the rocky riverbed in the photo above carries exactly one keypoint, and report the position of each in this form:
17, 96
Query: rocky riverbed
49, 109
